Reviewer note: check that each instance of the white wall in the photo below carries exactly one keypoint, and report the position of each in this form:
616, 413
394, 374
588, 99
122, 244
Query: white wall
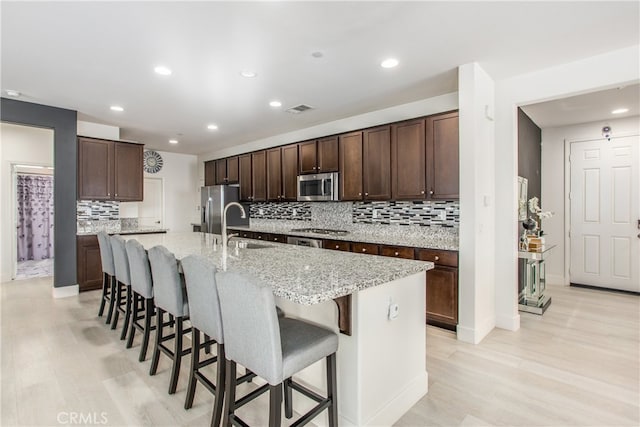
181, 192
96, 130
555, 146
599, 72
19, 145
476, 284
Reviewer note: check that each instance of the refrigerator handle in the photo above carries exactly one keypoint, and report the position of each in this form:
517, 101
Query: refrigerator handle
207, 219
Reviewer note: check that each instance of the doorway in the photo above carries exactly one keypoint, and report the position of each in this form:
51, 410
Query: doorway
605, 213
151, 208
33, 218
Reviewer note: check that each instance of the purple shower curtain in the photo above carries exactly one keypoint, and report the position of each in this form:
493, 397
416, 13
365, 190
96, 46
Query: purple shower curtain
35, 217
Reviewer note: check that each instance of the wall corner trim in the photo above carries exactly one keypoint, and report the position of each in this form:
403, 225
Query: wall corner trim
65, 291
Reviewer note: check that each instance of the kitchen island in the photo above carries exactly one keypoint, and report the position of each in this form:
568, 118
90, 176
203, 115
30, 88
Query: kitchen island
381, 365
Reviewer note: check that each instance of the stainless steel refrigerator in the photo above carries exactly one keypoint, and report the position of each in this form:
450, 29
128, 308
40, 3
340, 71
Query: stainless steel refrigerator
213, 200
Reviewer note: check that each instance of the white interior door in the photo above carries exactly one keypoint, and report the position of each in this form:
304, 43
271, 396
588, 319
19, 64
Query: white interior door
150, 210
605, 213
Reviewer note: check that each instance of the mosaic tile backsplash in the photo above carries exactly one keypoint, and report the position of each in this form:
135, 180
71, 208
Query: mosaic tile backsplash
332, 215
95, 210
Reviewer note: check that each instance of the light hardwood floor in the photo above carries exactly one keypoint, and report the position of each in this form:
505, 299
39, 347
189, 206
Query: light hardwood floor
578, 365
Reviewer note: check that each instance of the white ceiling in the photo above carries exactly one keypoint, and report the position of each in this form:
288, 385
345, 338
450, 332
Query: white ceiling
586, 108
88, 56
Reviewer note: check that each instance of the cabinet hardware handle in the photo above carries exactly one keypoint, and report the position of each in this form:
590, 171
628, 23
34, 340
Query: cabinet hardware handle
109, 194
364, 250
437, 258
396, 254
431, 192
359, 194
366, 194
337, 246
259, 237
422, 192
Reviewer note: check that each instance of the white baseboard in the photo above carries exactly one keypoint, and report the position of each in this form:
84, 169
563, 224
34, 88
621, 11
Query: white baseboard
66, 291
415, 391
510, 323
477, 334
555, 280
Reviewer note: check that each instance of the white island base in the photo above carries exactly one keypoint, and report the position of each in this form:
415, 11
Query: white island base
382, 365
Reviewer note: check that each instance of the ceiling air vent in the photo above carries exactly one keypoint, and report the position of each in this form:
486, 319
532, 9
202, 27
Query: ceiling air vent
299, 109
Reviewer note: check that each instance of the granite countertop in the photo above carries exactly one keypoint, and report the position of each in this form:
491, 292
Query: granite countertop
303, 275
388, 235
126, 231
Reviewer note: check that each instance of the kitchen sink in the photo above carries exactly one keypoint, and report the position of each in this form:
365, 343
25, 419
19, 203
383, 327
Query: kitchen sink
248, 245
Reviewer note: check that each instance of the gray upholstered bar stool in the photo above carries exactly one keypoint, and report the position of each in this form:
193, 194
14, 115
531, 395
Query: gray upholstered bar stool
169, 296
274, 349
142, 291
108, 275
123, 278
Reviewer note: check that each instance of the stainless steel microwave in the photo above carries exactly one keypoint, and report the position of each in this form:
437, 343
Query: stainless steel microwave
318, 187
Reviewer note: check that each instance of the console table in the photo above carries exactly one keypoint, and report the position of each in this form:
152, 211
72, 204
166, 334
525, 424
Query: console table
532, 298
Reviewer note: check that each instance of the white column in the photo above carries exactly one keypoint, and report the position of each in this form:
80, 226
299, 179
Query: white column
476, 280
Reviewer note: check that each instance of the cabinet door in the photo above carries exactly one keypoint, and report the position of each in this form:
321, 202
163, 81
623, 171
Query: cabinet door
244, 164
308, 157
95, 169
221, 171
232, 170
259, 176
89, 264
351, 166
442, 296
337, 245
128, 172
376, 175
408, 160
328, 154
443, 168
210, 173
274, 174
290, 173
397, 252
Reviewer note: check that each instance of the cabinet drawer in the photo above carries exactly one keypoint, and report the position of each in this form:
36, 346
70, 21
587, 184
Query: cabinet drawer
261, 236
246, 234
337, 245
276, 238
439, 257
365, 248
397, 252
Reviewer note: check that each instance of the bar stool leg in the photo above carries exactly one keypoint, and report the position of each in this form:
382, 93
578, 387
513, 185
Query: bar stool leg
332, 390
288, 399
116, 314
105, 291
177, 355
230, 392
275, 404
195, 361
135, 309
127, 314
220, 387
156, 348
112, 299
148, 314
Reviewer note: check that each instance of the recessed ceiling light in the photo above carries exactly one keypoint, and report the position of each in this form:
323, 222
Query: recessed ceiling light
248, 74
162, 70
389, 63
212, 127
317, 54
173, 141
275, 104
116, 108
619, 110
12, 92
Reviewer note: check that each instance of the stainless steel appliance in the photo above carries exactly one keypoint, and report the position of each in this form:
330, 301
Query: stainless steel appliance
318, 187
304, 241
213, 199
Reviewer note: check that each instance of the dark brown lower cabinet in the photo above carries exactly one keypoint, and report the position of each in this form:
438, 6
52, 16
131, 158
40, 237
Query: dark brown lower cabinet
89, 263
442, 297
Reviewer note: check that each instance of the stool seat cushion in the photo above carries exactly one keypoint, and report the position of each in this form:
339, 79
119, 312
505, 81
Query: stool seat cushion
303, 344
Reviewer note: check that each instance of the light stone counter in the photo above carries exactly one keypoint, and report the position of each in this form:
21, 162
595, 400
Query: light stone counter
299, 274
412, 236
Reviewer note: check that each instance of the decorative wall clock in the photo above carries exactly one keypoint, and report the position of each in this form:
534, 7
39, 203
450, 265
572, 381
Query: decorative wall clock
152, 162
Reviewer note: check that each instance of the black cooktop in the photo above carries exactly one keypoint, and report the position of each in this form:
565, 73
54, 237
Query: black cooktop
320, 231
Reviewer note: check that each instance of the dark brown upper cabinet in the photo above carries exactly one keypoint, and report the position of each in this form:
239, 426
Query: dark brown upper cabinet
259, 176
319, 156
245, 175
274, 174
376, 161
109, 170
227, 171
350, 166
408, 160
289, 173
443, 170
210, 173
